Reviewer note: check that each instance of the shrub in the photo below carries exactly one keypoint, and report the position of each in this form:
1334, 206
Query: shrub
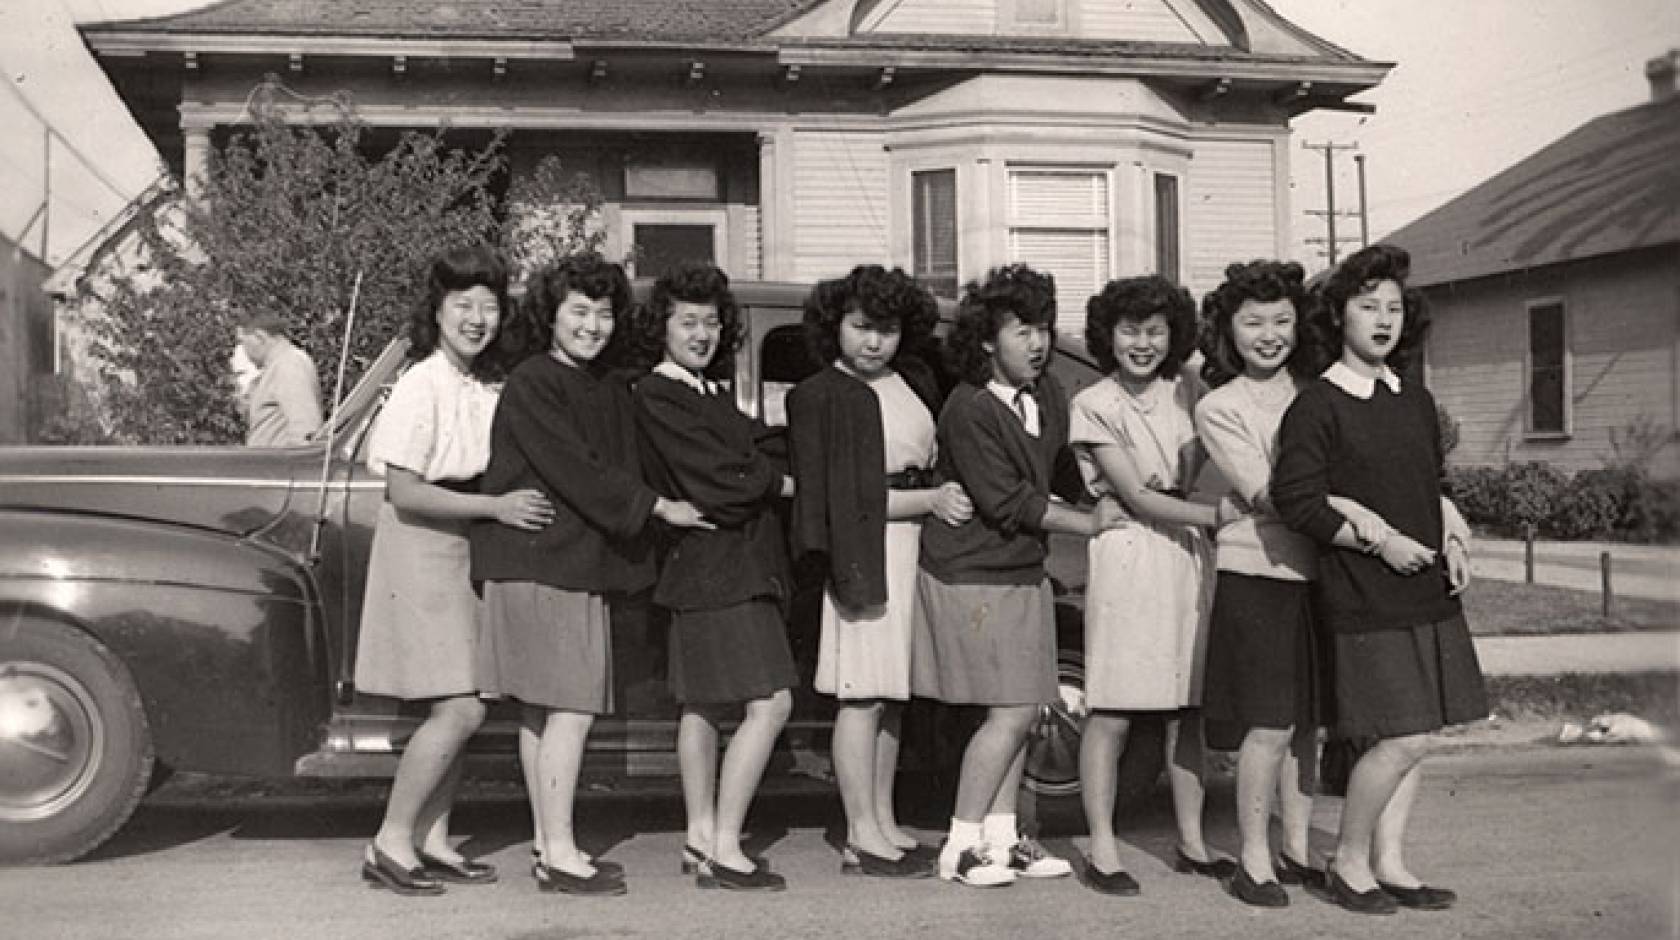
1479, 493
1532, 491
1593, 504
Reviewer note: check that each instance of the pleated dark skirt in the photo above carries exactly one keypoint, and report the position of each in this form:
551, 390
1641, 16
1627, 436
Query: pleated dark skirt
730, 654
1266, 667
1392, 683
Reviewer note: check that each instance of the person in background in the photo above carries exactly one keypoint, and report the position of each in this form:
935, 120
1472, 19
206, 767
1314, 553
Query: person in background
283, 407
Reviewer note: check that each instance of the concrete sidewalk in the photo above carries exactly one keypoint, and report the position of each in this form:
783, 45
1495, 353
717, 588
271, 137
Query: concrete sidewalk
1579, 652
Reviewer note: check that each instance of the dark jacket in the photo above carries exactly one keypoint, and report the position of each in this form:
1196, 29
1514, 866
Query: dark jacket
839, 469
701, 448
570, 433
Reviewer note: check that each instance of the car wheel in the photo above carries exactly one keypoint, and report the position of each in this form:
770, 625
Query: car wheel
75, 747
1052, 765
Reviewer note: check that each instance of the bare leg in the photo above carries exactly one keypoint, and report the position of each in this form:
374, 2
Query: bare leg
1388, 862
1186, 769
743, 766
1100, 746
1374, 781
434, 818
1009, 790
856, 735
564, 735
426, 763
1297, 782
1258, 763
990, 755
886, 774
697, 757
531, 722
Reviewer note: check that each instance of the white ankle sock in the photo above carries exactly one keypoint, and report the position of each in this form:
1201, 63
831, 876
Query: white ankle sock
964, 835
998, 829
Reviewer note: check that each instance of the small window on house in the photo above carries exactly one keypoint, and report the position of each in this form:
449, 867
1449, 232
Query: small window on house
1037, 14
1166, 226
1059, 222
672, 179
934, 235
1548, 369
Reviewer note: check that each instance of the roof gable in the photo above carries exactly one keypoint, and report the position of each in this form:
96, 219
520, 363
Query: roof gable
1612, 184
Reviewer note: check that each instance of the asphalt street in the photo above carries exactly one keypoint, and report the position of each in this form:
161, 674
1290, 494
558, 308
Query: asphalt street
1541, 842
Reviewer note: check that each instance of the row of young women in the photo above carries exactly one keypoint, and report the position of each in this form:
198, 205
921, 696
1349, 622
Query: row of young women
933, 537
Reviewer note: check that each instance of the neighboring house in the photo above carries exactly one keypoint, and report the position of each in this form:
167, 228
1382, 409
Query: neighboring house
27, 352
792, 139
1555, 291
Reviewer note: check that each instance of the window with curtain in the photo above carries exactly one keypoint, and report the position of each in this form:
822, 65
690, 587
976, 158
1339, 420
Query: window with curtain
934, 230
1059, 222
1548, 369
1166, 226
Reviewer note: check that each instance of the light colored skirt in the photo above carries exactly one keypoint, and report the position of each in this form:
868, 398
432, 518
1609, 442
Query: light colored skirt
419, 632
1147, 601
545, 646
984, 644
865, 653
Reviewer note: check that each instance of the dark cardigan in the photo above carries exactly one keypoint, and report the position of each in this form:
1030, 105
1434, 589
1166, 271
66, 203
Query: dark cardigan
701, 448
1009, 476
570, 433
839, 461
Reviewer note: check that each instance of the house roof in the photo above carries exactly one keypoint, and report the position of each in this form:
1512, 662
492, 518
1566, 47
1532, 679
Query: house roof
648, 20
1612, 184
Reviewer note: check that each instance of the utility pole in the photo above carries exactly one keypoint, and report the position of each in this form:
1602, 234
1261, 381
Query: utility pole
1329, 148
1364, 217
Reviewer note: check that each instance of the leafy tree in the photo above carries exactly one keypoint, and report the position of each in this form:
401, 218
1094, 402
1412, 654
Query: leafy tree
292, 212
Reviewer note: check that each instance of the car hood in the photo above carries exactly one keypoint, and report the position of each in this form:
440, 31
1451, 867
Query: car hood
237, 490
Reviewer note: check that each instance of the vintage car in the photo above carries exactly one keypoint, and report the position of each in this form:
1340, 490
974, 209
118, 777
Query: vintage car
195, 609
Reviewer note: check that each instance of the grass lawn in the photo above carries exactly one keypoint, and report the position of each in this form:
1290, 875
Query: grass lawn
1507, 608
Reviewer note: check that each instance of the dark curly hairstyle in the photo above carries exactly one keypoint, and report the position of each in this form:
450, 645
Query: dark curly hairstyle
1136, 299
586, 273
884, 298
693, 283
1012, 290
1263, 281
458, 269
1321, 339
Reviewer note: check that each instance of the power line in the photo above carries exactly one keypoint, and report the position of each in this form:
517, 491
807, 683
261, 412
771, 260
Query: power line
75, 151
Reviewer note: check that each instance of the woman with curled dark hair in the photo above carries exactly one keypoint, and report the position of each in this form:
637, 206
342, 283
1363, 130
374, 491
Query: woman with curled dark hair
586, 274
419, 638
1266, 282
1321, 342
1138, 299
702, 284
862, 436
1013, 291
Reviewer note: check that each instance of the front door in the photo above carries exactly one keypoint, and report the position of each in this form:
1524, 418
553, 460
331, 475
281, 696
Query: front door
658, 239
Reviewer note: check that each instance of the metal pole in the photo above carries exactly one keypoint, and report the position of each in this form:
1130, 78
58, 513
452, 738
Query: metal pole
1330, 200
1604, 582
1364, 219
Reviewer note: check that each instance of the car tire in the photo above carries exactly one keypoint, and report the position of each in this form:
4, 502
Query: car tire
75, 746
1051, 776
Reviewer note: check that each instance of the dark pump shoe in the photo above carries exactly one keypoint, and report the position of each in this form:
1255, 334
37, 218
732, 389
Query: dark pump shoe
1218, 869
613, 869
464, 872
761, 878
382, 871
1374, 901
692, 859
1291, 872
599, 885
1422, 897
912, 864
1117, 882
1244, 888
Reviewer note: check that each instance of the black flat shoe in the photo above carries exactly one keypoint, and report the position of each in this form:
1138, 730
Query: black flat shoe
1117, 883
1291, 872
610, 867
692, 859
1422, 897
1244, 888
1218, 869
382, 871
600, 884
856, 861
761, 878
464, 872
1374, 901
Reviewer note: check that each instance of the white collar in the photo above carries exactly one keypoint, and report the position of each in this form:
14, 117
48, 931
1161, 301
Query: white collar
1361, 386
677, 373
1008, 395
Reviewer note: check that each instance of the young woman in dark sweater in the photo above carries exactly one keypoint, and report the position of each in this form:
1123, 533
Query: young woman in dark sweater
1404, 664
564, 427
726, 588
985, 631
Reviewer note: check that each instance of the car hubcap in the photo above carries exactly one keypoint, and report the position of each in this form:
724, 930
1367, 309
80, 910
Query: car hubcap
1052, 767
50, 740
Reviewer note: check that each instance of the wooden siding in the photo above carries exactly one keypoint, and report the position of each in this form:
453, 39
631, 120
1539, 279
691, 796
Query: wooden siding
746, 249
840, 189
1622, 336
962, 17
1230, 211
1151, 20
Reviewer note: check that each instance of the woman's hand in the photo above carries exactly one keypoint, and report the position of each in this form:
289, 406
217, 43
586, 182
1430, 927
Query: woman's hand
1458, 566
1404, 554
950, 504
680, 513
1111, 514
529, 510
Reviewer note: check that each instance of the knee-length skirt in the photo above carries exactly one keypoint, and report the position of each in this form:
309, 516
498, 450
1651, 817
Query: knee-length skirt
1412, 680
418, 635
865, 654
984, 644
545, 646
730, 654
1147, 601
1265, 665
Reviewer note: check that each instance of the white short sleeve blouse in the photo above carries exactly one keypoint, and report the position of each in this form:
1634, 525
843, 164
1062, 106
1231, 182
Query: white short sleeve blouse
436, 423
